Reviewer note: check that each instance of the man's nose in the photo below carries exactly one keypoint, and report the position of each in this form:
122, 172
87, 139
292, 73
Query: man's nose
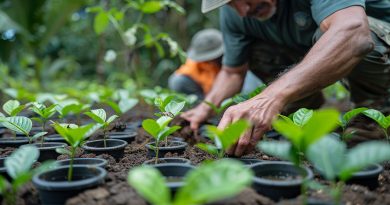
241, 7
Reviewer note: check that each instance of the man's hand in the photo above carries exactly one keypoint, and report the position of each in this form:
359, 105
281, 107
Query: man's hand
197, 115
260, 111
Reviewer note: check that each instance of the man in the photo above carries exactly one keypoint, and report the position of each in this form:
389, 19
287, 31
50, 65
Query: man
334, 38
203, 63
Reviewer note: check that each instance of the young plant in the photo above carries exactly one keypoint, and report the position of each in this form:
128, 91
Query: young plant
380, 119
207, 183
18, 166
346, 118
331, 157
223, 139
13, 107
306, 128
75, 137
44, 113
73, 108
20, 124
100, 116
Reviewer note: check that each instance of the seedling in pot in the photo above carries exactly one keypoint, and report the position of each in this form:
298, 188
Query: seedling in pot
331, 157
380, 119
22, 125
18, 166
13, 107
44, 113
75, 137
209, 182
305, 128
223, 139
100, 116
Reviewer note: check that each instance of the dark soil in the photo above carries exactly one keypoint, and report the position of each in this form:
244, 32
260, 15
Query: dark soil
117, 191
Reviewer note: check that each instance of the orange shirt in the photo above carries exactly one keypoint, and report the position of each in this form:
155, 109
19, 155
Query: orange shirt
204, 73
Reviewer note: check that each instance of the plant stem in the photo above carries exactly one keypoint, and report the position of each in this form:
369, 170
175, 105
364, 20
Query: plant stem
70, 170
336, 194
43, 129
104, 137
156, 150
387, 135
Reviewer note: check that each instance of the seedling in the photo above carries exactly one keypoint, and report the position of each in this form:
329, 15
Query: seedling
380, 119
73, 108
223, 139
209, 182
100, 116
20, 124
18, 166
13, 107
75, 137
44, 113
331, 157
301, 133
239, 98
346, 118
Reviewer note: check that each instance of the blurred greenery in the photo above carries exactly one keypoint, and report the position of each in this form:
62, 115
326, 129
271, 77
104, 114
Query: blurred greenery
56, 45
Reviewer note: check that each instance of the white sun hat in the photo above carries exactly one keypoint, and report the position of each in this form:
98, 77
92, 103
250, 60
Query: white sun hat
206, 45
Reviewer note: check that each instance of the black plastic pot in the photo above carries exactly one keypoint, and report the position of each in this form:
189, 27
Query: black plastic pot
249, 161
171, 160
89, 162
13, 142
174, 174
127, 136
47, 150
2, 130
177, 147
272, 134
367, 177
3, 170
114, 147
277, 189
54, 189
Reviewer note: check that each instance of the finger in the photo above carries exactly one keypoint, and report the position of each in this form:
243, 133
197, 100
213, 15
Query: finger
194, 125
243, 143
257, 135
186, 115
225, 121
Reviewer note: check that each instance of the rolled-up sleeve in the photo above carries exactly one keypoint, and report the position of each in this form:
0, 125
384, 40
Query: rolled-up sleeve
323, 8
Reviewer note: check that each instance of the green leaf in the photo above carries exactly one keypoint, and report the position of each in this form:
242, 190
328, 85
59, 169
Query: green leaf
351, 114
232, 133
126, 104
378, 117
328, 156
17, 110
150, 184
38, 135
45, 166
19, 124
321, 123
21, 160
280, 150
151, 7
10, 106
174, 107
214, 181
63, 151
114, 106
364, 155
212, 106
111, 119
151, 127
3, 185
101, 22
74, 135
166, 132
163, 121
287, 128
211, 149
98, 115
302, 116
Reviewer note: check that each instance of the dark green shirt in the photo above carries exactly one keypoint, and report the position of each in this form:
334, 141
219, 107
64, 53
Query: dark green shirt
293, 25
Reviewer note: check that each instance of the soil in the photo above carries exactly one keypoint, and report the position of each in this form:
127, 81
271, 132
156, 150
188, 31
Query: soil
116, 190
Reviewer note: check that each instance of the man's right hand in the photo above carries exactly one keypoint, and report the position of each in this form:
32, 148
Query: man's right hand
197, 115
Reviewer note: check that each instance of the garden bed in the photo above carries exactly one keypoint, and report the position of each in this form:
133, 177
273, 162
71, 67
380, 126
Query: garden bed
117, 191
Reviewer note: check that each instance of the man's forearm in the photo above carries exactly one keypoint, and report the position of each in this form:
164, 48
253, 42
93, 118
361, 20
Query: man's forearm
228, 82
335, 54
